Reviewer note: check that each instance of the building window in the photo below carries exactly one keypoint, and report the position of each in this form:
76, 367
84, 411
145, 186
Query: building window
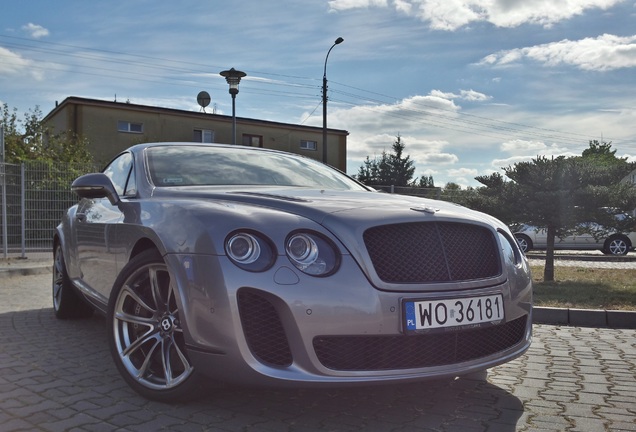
125, 126
252, 140
308, 145
203, 136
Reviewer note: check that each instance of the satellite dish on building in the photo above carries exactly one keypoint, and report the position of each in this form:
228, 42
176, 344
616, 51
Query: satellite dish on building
203, 98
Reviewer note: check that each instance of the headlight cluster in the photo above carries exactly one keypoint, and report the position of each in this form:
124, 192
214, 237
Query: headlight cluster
309, 252
312, 254
250, 251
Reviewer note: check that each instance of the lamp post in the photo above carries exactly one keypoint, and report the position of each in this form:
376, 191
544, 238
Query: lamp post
324, 102
233, 78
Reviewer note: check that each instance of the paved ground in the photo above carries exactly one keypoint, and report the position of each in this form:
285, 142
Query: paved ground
58, 376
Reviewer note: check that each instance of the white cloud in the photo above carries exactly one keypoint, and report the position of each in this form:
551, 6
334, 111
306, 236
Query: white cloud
453, 14
36, 31
438, 159
469, 95
604, 52
12, 63
521, 146
474, 96
463, 172
339, 5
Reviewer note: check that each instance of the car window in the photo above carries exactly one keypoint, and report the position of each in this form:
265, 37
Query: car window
119, 171
197, 165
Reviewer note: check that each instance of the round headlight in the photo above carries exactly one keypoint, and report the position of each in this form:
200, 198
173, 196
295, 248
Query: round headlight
312, 254
243, 248
302, 249
250, 250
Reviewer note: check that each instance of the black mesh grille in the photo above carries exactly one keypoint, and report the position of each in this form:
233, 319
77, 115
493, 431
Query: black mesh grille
263, 329
367, 353
432, 252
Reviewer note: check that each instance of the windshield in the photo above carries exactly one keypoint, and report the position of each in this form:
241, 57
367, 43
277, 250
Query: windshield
194, 165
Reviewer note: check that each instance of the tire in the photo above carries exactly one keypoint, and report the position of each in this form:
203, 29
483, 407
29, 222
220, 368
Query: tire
524, 242
145, 334
618, 245
67, 302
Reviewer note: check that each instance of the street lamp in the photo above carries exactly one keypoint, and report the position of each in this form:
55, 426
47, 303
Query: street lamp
233, 78
324, 102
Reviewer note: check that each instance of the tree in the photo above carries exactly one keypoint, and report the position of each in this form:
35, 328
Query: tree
425, 182
31, 139
562, 194
389, 169
497, 198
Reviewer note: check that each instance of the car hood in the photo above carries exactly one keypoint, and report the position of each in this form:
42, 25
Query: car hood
336, 209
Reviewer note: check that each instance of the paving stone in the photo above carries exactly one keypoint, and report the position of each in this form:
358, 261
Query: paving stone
58, 375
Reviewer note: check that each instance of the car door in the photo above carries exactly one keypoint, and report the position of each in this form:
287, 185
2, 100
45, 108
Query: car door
585, 239
95, 227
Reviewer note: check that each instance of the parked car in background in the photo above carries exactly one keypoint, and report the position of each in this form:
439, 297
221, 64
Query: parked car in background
263, 267
613, 243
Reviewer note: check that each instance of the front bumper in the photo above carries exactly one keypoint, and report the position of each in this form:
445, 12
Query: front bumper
283, 327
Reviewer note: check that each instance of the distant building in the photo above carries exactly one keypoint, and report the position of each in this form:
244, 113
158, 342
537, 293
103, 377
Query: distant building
111, 127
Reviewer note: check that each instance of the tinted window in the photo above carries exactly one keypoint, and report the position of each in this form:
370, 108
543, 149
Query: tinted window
197, 165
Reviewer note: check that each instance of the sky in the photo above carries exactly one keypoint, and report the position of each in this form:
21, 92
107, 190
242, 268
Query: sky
470, 86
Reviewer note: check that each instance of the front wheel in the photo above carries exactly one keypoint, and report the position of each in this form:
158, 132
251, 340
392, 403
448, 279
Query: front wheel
618, 245
145, 331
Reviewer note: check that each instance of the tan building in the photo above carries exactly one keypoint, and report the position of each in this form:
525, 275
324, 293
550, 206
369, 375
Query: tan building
111, 127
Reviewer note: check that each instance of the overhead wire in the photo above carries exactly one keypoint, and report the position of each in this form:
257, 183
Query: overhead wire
265, 83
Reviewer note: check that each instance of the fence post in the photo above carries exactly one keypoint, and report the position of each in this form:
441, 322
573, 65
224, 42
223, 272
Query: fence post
23, 210
5, 230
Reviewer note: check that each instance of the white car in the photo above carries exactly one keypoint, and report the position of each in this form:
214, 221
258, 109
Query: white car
530, 237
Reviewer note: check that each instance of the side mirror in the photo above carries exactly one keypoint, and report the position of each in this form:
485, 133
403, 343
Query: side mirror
95, 185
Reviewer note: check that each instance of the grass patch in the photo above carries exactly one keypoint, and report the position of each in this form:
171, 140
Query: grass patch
586, 288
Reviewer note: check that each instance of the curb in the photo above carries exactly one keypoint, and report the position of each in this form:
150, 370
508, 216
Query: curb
585, 317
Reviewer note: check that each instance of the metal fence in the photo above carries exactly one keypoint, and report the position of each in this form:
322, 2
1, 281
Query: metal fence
34, 196
433, 192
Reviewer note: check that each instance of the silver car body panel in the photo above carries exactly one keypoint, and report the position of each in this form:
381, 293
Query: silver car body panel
189, 226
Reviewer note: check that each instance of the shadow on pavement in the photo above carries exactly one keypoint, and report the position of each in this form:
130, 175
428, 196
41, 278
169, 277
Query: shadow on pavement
59, 375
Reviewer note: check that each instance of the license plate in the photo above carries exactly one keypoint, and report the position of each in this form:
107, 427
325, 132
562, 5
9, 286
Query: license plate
436, 314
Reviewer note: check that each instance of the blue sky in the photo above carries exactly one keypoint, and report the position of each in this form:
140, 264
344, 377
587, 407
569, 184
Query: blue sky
471, 86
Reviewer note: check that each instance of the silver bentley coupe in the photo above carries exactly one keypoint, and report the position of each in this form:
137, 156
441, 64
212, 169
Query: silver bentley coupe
232, 263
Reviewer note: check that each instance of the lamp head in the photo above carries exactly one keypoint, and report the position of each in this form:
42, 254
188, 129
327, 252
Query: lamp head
233, 78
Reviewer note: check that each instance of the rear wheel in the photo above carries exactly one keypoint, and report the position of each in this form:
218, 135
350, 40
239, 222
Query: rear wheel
67, 303
145, 332
618, 245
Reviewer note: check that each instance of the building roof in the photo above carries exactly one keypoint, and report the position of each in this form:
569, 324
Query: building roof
148, 108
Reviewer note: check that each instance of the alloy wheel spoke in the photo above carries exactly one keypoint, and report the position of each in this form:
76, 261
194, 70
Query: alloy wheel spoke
134, 319
128, 291
155, 287
166, 344
140, 341
143, 369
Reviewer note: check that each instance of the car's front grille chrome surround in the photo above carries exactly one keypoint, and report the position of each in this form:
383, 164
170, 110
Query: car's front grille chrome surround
430, 252
396, 352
